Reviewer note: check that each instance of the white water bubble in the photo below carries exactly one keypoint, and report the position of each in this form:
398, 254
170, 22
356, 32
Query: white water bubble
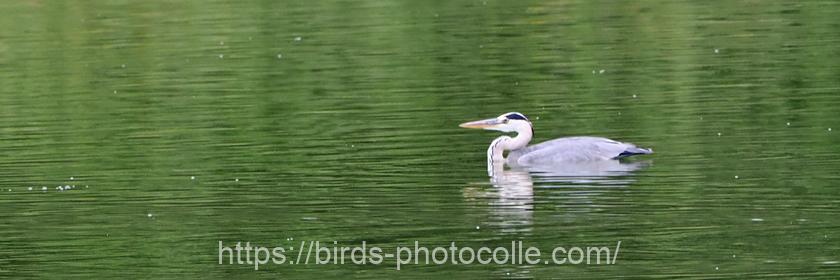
30, 188
717, 51
602, 71
757, 219
279, 56
477, 227
736, 176
221, 56
149, 215
298, 38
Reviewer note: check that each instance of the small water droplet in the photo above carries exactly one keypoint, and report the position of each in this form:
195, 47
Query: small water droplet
123, 66
788, 123
717, 51
43, 188
149, 215
736, 176
602, 71
634, 96
719, 134
71, 178
717, 268
298, 38
279, 56
221, 56
829, 129
477, 227
30, 188
757, 219
237, 180
192, 177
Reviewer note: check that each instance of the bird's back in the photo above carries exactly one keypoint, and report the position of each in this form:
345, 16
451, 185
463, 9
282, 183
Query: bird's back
574, 149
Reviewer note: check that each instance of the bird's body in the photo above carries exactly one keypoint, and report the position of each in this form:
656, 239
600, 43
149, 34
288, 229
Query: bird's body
562, 150
573, 149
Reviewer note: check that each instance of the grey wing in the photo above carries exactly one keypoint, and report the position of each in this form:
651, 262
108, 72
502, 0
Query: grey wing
571, 149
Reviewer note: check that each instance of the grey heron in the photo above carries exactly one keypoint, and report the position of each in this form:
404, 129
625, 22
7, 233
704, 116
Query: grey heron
575, 149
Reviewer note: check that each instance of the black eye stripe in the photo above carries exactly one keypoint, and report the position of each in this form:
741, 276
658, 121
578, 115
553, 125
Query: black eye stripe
516, 117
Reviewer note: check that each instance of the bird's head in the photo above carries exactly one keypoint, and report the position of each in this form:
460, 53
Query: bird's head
507, 122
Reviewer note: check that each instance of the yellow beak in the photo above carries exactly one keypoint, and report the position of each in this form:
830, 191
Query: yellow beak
485, 124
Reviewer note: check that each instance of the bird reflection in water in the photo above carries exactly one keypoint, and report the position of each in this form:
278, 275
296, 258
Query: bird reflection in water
572, 186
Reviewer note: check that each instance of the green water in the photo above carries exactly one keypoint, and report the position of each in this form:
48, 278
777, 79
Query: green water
185, 124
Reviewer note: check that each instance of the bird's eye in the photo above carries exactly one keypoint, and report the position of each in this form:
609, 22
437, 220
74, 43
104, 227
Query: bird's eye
505, 121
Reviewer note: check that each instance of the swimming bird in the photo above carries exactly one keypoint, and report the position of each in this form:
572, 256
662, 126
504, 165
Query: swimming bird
558, 151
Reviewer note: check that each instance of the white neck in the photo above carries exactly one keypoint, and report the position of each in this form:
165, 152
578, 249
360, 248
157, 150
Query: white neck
495, 153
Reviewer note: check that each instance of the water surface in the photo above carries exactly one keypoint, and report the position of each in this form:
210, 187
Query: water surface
183, 124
